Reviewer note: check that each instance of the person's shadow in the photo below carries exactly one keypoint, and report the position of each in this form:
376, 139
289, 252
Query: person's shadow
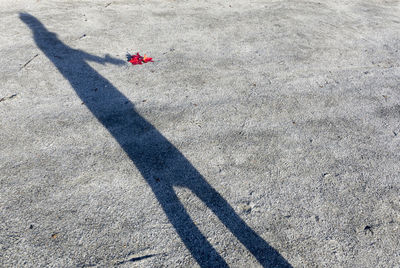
159, 162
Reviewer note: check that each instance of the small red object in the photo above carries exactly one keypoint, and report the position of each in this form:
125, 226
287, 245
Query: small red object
147, 59
137, 59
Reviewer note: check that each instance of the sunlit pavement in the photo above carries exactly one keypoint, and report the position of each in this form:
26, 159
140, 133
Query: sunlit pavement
265, 133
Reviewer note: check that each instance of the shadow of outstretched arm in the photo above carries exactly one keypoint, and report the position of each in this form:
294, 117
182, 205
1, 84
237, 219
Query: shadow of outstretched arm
160, 163
107, 59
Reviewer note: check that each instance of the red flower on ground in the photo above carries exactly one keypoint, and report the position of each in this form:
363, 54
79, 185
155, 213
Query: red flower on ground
137, 59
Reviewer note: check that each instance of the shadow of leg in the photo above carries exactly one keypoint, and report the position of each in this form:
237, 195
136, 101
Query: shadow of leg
194, 240
266, 255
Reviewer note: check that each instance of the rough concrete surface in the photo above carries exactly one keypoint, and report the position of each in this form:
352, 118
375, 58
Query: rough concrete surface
264, 134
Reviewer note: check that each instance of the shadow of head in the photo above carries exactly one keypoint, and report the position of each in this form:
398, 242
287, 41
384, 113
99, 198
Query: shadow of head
36, 26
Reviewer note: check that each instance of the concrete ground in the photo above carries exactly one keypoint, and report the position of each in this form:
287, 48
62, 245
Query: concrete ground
264, 134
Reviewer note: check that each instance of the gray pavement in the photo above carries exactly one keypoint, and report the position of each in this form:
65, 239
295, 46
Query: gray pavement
265, 134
